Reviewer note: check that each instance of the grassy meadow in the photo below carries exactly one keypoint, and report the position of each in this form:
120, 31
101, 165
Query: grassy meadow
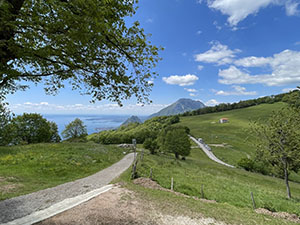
234, 135
230, 188
29, 168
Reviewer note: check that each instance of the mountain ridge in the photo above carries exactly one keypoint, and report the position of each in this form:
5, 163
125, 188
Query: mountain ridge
180, 106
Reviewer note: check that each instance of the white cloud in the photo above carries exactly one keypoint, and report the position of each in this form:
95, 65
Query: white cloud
190, 90
193, 94
238, 90
110, 108
186, 80
218, 53
199, 32
238, 10
284, 69
212, 102
253, 61
200, 67
291, 8
149, 20
288, 89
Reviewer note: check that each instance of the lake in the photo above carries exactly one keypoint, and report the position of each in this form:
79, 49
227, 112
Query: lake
94, 123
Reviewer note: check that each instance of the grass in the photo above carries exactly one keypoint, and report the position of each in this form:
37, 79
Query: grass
28, 168
234, 134
225, 185
229, 187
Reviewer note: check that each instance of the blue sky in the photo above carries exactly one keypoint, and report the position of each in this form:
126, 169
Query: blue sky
215, 51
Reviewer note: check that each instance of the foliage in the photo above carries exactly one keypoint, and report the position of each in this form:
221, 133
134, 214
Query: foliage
5, 118
86, 43
151, 145
124, 134
39, 166
75, 130
291, 97
175, 140
278, 142
32, 128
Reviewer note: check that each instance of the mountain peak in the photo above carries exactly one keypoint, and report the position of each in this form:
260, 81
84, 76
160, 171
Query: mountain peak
180, 106
132, 119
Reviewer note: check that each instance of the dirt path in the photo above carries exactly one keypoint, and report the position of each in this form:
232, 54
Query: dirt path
119, 206
21, 206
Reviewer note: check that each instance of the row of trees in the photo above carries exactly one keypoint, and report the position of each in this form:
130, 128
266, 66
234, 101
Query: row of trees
290, 97
31, 128
140, 132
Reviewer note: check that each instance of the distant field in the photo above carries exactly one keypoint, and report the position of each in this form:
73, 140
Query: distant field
29, 168
234, 135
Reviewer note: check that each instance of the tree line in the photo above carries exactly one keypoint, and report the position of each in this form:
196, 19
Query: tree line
292, 97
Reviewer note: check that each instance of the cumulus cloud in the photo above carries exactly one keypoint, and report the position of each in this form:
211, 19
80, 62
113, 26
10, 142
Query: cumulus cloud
190, 90
200, 67
284, 66
185, 80
289, 89
238, 10
212, 102
218, 53
237, 90
291, 8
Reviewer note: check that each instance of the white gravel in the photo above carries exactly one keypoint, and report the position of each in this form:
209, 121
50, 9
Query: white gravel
21, 206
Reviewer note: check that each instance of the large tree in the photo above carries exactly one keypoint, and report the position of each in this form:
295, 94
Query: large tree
85, 42
175, 140
278, 142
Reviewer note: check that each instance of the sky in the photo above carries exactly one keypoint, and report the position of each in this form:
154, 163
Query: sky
216, 51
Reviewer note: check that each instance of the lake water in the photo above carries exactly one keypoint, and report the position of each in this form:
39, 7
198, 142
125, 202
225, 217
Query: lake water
94, 123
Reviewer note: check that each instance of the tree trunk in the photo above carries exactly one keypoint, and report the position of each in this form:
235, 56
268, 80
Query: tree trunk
176, 155
286, 179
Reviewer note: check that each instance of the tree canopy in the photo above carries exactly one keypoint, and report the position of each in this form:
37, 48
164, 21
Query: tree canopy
175, 140
87, 43
278, 142
75, 129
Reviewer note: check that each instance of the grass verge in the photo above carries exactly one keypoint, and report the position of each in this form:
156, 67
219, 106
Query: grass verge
29, 168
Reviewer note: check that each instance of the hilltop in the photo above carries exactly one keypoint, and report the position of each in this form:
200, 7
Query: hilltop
132, 119
181, 106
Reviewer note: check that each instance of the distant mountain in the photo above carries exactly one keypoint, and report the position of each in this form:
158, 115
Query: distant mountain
181, 106
132, 119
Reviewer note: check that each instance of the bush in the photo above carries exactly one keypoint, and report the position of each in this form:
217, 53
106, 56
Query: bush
246, 164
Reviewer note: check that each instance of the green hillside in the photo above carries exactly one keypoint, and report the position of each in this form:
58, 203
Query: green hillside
234, 135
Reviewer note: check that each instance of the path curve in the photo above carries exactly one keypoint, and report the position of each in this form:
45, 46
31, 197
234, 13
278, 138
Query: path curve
22, 206
209, 153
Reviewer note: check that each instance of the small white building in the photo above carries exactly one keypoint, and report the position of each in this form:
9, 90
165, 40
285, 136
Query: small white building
224, 120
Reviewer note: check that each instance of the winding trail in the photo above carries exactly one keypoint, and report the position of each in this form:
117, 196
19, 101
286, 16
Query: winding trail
209, 153
22, 206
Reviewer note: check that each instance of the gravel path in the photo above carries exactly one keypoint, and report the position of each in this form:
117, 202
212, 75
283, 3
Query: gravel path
209, 153
21, 206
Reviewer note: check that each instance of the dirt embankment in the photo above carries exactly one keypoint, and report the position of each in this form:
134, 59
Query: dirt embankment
120, 206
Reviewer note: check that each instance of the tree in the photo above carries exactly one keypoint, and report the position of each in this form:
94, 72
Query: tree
150, 144
86, 43
278, 142
33, 128
5, 118
75, 129
175, 140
